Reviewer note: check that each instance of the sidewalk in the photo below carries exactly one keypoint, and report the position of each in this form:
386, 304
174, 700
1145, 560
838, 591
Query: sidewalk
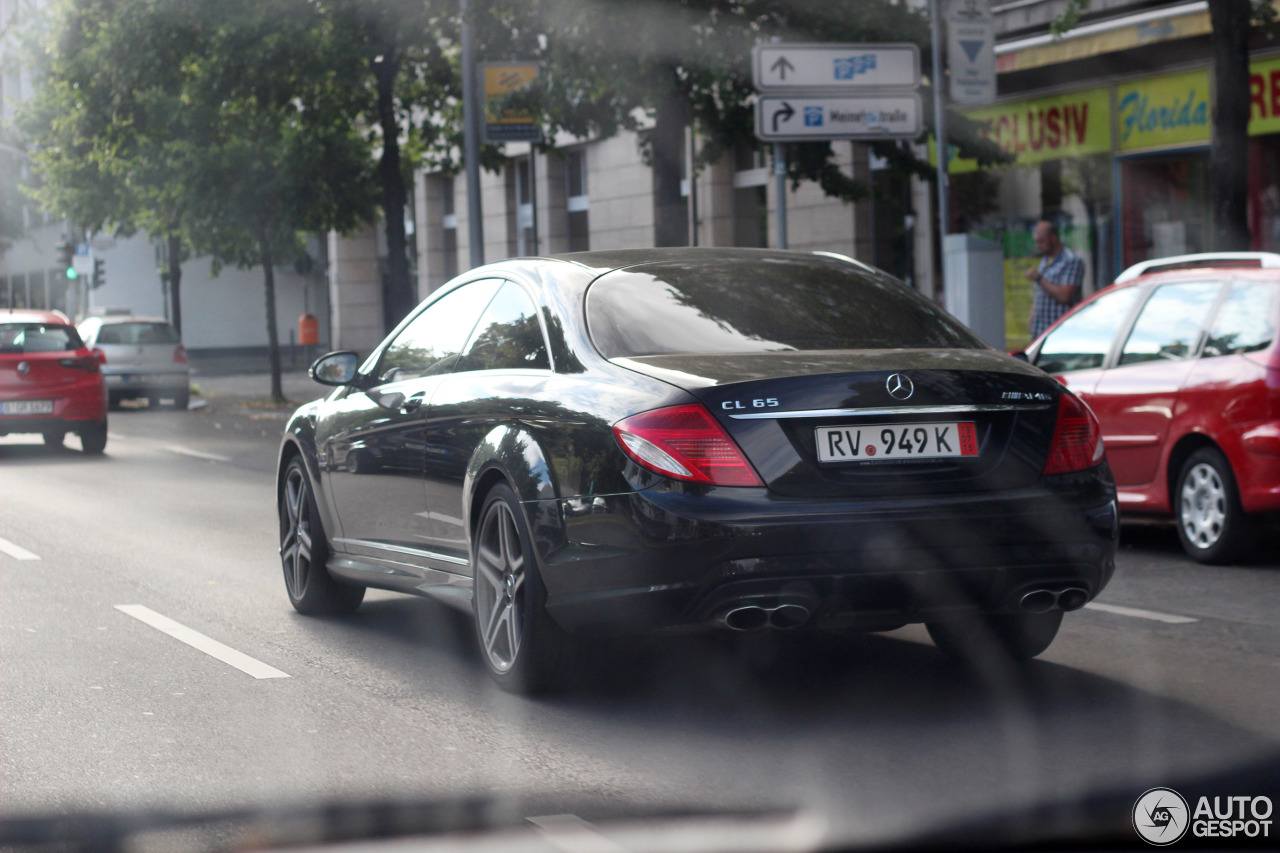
298, 387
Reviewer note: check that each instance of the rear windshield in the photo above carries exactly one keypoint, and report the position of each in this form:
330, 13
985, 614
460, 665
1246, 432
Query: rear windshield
764, 304
137, 333
37, 337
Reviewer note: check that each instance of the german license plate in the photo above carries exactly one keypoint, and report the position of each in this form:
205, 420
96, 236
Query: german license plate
896, 441
139, 379
27, 407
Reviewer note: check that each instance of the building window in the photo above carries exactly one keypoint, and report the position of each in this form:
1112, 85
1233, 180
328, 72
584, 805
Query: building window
526, 236
750, 197
449, 228
576, 201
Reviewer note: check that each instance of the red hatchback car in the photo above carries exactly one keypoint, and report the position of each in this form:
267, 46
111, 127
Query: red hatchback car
50, 382
1180, 362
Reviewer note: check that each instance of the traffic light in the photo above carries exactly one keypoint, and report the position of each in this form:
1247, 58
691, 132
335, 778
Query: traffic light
66, 256
99, 273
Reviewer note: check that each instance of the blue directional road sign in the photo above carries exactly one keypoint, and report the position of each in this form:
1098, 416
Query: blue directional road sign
813, 116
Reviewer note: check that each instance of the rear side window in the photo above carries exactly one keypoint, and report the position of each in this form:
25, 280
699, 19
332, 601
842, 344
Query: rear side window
1246, 321
508, 335
735, 305
1082, 341
19, 338
137, 333
1171, 322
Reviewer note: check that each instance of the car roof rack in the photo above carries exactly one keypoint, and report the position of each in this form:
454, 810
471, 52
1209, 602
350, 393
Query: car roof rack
1237, 260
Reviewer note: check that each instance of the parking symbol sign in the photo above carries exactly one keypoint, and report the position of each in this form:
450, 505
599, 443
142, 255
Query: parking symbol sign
813, 116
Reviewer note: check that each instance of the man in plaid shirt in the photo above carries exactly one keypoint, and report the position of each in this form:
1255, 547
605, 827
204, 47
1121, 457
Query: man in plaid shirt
1058, 278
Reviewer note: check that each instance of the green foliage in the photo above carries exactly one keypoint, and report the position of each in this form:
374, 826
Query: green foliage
609, 66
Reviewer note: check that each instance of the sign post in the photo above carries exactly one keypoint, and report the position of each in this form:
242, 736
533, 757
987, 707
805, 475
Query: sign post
814, 92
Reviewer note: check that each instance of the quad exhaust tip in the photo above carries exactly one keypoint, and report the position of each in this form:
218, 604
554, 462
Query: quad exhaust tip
1044, 600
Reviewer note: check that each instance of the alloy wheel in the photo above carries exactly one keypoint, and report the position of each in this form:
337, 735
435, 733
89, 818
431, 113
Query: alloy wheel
295, 533
1204, 506
500, 587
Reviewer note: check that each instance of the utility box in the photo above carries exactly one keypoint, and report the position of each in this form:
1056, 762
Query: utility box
973, 269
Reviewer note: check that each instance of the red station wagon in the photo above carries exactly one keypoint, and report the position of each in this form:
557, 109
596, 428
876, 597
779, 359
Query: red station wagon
50, 382
1179, 360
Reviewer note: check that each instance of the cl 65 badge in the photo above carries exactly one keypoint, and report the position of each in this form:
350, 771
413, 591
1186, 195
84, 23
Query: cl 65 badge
761, 403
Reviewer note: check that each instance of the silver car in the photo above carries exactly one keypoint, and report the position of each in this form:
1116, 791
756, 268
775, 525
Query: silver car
144, 358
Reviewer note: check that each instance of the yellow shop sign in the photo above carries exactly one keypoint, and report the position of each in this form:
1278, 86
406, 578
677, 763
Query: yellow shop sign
1046, 128
1172, 110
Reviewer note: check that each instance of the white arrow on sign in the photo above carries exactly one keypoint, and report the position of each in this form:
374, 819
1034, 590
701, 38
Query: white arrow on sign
842, 67
781, 118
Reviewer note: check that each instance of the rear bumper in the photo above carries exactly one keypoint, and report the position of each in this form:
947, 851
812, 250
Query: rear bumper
669, 558
71, 412
140, 382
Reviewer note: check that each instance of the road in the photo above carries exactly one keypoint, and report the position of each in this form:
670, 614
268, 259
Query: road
101, 709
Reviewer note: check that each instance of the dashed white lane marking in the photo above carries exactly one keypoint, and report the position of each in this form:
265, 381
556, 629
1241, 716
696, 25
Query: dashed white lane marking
208, 645
198, 454
572, 834
16, 551
1140, 614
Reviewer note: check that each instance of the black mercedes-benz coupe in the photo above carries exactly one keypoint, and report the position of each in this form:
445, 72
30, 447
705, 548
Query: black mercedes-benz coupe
674, 438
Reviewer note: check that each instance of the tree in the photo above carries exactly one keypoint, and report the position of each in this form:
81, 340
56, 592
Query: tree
222, 127
273, 152
658, 66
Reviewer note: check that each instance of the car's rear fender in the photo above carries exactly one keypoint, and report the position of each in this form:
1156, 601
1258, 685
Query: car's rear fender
512, 454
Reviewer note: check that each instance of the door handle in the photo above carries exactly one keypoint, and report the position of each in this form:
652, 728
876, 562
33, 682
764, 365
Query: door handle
411, 404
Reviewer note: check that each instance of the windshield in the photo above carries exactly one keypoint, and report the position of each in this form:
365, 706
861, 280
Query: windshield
37, 337
137, 333
761, 305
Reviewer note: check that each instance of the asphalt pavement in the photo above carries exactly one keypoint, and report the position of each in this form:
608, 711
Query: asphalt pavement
110, 699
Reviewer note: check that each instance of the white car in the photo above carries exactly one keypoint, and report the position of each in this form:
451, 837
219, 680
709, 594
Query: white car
144, 358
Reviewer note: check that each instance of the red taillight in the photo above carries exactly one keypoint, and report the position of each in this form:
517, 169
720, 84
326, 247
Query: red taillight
685, 442
1077, 438
100, 356
179, 354
87, 362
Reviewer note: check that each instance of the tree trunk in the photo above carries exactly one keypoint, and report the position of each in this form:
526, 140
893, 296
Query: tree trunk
1229, 166
175, 280
667, 151
273, 338
397, 291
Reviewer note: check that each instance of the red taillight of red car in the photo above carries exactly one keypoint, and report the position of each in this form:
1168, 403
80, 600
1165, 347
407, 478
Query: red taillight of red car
685, 442
179, 354
88, 363
1077, 438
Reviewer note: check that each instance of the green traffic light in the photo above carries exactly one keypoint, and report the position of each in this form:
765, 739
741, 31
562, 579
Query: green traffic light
71, 273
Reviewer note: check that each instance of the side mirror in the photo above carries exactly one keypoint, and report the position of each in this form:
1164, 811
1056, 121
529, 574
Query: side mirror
335, 368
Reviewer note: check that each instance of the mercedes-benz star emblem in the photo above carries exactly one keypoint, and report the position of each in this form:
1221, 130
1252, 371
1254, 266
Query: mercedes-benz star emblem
899, 386
24, 368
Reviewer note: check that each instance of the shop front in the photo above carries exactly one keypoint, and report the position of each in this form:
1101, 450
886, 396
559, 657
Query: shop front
1122, 169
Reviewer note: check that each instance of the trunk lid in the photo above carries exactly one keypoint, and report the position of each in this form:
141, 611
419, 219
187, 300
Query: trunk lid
779, 407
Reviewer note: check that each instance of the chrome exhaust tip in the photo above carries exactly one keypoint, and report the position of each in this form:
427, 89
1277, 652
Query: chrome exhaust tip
1072, 598
1039, 601
749, 618
787, 616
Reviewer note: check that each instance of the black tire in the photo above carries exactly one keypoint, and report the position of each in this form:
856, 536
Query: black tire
182, 399
304, 551
93, 438
54, 437
1012, 636
1212, 525
524, 650
153, 402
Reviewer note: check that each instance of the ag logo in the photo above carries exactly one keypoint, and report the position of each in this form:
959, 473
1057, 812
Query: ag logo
1161, 816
